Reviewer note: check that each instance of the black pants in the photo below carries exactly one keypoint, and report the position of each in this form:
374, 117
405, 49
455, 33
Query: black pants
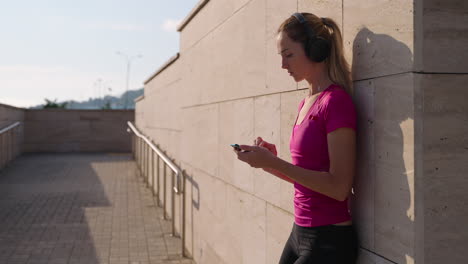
321, 245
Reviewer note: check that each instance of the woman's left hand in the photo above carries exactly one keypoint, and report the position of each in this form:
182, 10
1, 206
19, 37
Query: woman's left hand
257, 157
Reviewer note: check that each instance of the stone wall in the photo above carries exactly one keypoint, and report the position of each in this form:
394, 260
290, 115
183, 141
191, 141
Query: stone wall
227, 86
58, 130
10, 115
441, 93
10, 142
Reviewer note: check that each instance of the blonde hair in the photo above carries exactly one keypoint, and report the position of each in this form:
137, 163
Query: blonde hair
326, 28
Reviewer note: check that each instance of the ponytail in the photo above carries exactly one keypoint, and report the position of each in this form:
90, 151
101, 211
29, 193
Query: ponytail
338, 67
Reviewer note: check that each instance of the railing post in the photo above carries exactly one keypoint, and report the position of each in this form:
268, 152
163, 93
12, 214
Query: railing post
141, 153
132, 147
2, 156
138, 151
143, 160
147, 164
144, 151
9, 146
164, 192
183, 214
158, 190
152, 172
172, 203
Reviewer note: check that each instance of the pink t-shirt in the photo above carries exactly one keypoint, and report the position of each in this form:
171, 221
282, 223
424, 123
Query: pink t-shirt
332, 109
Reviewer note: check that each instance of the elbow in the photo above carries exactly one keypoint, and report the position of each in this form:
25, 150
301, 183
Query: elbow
341, 196
338, 196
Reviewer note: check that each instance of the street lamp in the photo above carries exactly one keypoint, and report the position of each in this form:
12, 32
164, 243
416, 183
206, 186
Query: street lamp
129, 61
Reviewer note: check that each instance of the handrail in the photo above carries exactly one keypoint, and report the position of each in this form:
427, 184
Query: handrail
175, 169
10, 127
10, 149
161, 154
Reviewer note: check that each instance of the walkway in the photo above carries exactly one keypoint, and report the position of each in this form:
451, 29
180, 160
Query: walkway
81, 208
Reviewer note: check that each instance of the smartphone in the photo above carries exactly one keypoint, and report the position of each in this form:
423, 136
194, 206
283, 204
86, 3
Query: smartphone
236, 147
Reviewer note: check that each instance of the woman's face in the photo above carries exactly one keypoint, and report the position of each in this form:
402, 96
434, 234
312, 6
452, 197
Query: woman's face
293, 57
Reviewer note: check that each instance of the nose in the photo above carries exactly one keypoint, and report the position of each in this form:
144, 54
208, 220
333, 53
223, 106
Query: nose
284, 64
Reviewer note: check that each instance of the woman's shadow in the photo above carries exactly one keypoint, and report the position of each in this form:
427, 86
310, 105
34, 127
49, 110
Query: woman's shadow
383, 200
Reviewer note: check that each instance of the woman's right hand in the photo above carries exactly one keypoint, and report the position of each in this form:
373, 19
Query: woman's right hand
262, 143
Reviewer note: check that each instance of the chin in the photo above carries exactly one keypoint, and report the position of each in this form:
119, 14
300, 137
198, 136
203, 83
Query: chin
297, 79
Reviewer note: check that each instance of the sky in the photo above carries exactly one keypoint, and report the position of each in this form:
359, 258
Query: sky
67, 49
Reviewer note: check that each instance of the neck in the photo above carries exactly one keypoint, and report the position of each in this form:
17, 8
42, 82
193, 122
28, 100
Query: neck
318, 82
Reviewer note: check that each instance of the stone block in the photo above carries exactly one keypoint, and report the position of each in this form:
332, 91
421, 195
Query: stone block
210, 17
246, 221
80, 130
200, 138
378, 41
394, 167
364, 182
236, 126
441, 35
210, 216
445, 144
279, 224
197, 72
278, 11
240, 72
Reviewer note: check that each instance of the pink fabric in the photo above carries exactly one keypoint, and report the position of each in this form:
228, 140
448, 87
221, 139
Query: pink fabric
333, 109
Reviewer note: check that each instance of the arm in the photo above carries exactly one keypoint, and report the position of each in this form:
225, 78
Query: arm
278, 174
338, 181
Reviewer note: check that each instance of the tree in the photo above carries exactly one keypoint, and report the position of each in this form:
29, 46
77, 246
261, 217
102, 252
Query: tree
54, 104
107, 106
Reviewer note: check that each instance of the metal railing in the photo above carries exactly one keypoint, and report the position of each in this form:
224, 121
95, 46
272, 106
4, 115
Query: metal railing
143, 150
9, 143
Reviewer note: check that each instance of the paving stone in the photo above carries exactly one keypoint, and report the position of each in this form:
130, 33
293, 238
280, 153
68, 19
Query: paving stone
81, 208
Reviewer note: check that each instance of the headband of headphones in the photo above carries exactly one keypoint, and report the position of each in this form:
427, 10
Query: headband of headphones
303, 22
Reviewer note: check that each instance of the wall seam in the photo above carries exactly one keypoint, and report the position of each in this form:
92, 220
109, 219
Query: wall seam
380, 256
240, 98
229, 184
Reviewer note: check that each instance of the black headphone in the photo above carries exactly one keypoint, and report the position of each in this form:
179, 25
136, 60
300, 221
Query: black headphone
316, 48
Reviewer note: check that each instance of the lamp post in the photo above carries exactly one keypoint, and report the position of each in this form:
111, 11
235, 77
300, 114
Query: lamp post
129, 61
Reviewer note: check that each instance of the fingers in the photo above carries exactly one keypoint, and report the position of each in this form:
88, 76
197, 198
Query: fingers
258, 141
248, 148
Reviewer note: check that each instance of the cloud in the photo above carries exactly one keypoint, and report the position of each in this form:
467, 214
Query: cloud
170, 25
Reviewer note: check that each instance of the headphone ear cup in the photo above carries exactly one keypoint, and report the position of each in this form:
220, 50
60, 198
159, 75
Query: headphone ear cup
319, 49
308, 49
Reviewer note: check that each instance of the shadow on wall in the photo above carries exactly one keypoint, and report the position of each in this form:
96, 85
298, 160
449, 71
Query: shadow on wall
383, 207
195, 198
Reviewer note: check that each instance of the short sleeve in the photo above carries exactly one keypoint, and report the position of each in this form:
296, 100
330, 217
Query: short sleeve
340, 111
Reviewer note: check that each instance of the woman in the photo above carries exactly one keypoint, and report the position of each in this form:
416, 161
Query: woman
322, 144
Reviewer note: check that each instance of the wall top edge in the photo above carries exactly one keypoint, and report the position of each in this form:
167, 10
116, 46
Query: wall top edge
162, 68
12, 107
192, 14
139, 98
